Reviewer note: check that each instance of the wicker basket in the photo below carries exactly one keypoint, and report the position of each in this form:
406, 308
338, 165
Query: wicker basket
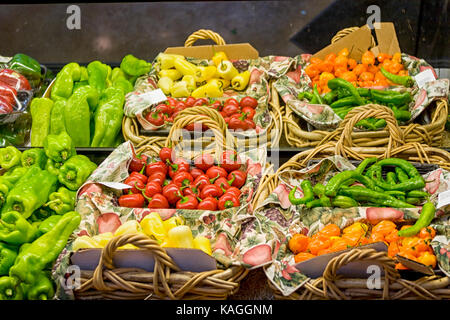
131, 127
331, 286
165, 282
297, 134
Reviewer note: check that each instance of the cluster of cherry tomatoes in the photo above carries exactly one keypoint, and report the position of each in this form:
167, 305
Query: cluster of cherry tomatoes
174, 183
237, 114
332, 239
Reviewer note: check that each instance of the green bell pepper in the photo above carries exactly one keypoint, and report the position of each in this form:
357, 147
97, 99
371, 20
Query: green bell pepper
28, 67
62, 201
9, 157
40, 109
77, 116
98, 74
64, 81
53, 167
59, 147
75, 171
8, 255
15, 229
108, 118
84, 74
48, 224
41, 289
133, 66
30, 192
44, 250
8, 180
34, 156
57, 124
10, 289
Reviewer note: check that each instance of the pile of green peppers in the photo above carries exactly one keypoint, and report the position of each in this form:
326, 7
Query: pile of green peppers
343, 97
37, 202
87, 103
402, 187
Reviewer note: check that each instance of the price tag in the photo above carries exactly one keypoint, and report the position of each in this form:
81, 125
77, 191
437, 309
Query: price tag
424, 77
443, 199
116, 185
154, 97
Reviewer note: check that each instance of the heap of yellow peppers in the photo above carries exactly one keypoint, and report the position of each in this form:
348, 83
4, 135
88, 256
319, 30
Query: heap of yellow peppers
170, 233
180, 78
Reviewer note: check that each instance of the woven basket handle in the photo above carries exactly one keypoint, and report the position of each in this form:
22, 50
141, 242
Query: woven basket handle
345, 32
355, 255
223, 139
204, 35
163, 263
345, 129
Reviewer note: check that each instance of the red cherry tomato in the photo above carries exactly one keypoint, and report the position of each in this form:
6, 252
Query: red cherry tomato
234, 191
172, 193
211, 190
132, 200
196, 172
230, 109
217, 105
228, 200
165, 154
230, 160
249, 102
156, 118
187, 202
238, 178
178, 165
172, 101
250, 112
158, 177
156, 166
182, 178
158, 201
231, 101
204, 161
216, 172
164, 108
209, 203
201, 181
190, 101
201, 102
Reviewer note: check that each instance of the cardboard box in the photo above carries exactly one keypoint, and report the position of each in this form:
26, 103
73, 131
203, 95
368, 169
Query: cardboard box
193, 260
233, 51
359, 41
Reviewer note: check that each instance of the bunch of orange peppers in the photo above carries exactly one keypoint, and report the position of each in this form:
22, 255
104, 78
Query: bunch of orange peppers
332, 239
364, 74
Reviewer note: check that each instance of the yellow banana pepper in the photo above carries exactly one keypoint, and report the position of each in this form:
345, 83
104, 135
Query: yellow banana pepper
203, 243
221, 82
172, 222
165, 84
103, 238
84, 242
129, 227
173, 74
218, 57
185, 67
152, 225
166, 60
181, 237
180, 89
240, 81
200, 92
227, 70
205, 73
190, 80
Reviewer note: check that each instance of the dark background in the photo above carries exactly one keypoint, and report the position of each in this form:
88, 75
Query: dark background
111, 30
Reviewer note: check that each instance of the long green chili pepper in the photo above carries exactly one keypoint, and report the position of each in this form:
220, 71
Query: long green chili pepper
380, 198
418, 194
426, 216
344, 202
413, 200
401, 175
341, 83
319, 189
336, 182
307, 190
391, 177
406, 81
317, 95
323, 201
